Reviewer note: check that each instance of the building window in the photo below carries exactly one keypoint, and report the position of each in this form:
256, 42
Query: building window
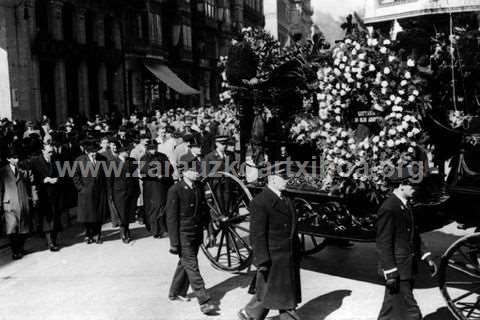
157, 28
41, 13
210, 9
187, 36
67, 21
109, 32
90, 27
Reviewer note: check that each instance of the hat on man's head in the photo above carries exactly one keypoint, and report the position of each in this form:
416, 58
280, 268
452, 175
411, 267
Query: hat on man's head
13, 153
91, 146
187, 163
152, 144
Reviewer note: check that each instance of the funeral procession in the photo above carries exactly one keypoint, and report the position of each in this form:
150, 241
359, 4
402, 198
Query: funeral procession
240, 159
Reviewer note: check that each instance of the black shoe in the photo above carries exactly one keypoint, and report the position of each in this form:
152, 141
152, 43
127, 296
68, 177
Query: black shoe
179, 298
243, 315
53, 248
89, 240
99, 240
207, 308
125, 240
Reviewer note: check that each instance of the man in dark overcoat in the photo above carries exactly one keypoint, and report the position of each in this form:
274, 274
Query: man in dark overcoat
125, 189
92, 192
276, 253
186, 217
16, 195
399, 248
157, 176
50, 193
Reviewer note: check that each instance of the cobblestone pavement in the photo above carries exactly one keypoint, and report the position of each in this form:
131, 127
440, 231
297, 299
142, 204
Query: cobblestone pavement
117, 281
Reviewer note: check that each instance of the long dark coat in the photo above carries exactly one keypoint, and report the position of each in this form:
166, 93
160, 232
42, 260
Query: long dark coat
274, 239
399, 244
49, 195
16, 194
125, 189
155, 188
92, 191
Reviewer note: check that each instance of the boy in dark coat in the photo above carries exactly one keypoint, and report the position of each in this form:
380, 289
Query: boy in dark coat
186, 217
276, 249
399, 247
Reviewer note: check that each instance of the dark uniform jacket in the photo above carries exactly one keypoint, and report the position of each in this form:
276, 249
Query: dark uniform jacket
398, 240
186, 214
274, 239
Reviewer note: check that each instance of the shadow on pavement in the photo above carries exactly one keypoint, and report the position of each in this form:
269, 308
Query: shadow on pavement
440, 314
218, 292
321, 307
71, 236
359, 262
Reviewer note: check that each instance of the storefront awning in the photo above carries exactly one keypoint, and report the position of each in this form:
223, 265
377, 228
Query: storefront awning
169, 77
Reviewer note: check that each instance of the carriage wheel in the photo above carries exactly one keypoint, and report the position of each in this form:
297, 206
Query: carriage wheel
459, 277
309, 243
226, 242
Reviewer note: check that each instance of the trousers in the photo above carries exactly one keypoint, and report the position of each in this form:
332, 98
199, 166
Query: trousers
402, 305
188, 274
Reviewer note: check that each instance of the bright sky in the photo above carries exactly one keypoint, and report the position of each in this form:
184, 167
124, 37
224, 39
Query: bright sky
337, 8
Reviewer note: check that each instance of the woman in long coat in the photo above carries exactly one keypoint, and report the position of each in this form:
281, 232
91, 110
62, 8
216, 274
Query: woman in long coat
92, 192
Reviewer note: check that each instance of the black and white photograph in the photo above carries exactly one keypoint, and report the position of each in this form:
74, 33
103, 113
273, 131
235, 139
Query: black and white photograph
240, 159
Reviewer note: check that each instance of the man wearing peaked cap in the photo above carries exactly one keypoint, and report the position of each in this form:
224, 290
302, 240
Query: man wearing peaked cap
187, 215
400, 247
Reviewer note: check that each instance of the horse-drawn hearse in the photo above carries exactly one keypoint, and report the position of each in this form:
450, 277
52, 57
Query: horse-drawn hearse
320, 93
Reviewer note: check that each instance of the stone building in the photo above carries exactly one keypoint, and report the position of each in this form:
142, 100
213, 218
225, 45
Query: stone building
287, 18
82, 57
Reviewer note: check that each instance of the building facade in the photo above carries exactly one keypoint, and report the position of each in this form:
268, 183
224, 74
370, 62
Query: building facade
288, 18
65, 58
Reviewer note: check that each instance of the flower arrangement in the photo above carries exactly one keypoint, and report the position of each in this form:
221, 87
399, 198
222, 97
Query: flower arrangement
363, 74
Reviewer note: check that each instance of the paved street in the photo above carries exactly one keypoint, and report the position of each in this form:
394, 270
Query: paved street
117, 281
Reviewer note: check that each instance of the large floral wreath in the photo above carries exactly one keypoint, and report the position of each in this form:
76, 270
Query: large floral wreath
366, 74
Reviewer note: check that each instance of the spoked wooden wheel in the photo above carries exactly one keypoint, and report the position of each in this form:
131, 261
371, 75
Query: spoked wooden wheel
306, 216
459, 277
226, 242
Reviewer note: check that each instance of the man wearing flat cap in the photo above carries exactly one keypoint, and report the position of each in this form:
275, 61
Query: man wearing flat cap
157, 177
187, 215
399, 247
276, 253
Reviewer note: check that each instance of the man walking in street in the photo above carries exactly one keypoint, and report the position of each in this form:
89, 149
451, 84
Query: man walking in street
276, 254
186, 217
156, 172
47, 183
399, 248
92, 192
16, 192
